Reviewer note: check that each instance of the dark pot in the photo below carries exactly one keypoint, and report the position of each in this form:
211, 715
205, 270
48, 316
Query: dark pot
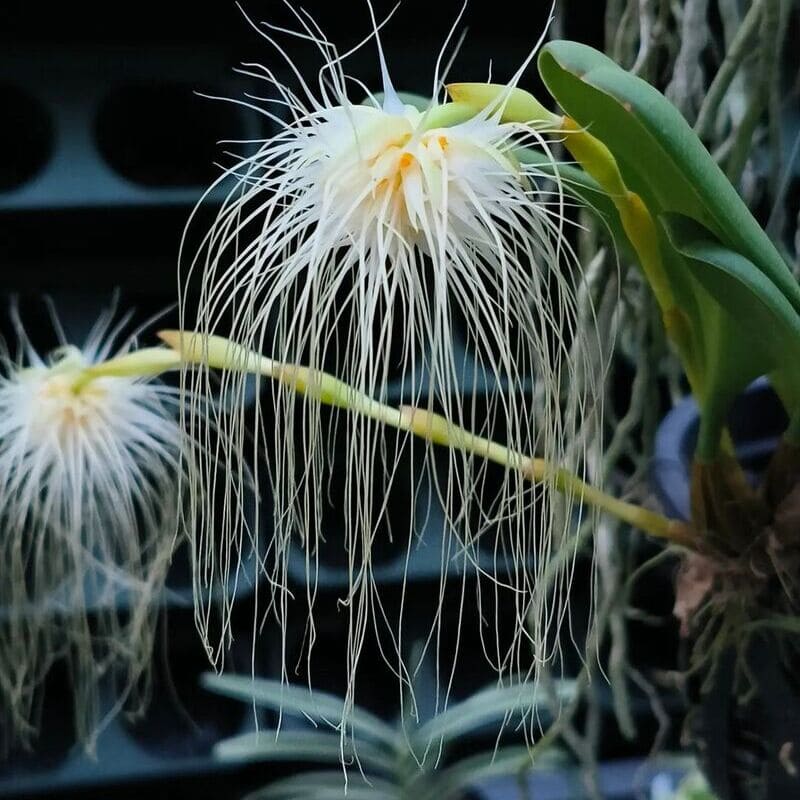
756, 422
744, 719
749, 748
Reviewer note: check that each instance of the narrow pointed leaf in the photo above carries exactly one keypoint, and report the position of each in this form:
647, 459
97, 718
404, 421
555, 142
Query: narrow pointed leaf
294, 745
300, 701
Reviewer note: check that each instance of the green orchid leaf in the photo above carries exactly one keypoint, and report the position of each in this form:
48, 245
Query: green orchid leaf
744, 277
658, 153
740, 287
306, 745
728, 361
319, 707
489, 706
511, 760
755, 306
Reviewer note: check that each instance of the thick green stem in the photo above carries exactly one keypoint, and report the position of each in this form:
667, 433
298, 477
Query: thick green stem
220, 353
437, 429
147, 362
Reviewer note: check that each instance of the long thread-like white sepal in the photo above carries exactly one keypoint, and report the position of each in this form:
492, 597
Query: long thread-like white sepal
411, 261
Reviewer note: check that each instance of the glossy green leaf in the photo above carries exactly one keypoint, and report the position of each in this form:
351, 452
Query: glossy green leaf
728, 360
658, 153
740, 287
755, 306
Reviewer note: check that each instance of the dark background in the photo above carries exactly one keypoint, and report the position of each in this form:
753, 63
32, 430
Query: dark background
105, 147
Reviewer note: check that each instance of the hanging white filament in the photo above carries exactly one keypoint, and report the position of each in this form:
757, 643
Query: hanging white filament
411, 255
89, 474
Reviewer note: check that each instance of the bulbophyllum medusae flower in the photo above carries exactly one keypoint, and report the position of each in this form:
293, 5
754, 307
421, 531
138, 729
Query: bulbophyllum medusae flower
409, 249
91, 467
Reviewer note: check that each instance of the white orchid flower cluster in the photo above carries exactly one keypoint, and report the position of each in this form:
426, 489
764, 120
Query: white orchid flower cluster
91, 466
407, 248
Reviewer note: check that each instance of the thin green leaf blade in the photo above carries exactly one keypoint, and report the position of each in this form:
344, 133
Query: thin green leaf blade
313, 746
298, 700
